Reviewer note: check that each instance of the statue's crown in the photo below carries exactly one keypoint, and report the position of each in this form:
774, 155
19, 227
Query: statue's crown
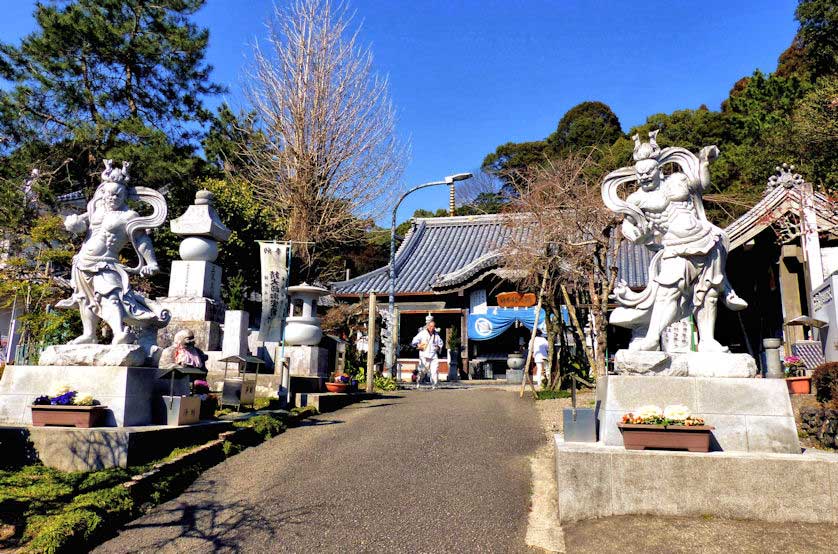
646, 150
116, 175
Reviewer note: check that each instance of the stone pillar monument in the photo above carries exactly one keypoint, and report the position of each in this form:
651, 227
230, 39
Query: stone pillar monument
194, 298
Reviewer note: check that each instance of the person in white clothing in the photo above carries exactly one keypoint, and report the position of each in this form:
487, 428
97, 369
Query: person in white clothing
429, 344
539, 348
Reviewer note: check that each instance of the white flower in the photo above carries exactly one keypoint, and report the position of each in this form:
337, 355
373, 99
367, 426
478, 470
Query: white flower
677, 412
84, 399
61, 389
649, 412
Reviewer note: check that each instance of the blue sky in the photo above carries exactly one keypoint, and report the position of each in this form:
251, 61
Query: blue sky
467, 76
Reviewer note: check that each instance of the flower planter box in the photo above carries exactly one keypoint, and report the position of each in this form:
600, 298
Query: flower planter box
67, 416
341, 387
694, 438
799, 385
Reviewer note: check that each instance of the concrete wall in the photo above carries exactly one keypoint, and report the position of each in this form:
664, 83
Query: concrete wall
599, 481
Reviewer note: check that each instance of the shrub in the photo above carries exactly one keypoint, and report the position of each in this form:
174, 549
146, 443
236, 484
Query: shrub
825, 380
65, 532
266, 425
115, 501
385, 383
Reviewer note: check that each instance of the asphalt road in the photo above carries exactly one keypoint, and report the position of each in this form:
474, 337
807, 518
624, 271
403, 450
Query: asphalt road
419, 471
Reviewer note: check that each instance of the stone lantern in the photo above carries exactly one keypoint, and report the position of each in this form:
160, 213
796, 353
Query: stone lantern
302, 327
194, 297
307, 359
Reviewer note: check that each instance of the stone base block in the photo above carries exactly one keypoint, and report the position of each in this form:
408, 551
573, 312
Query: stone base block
128, 392
329, 401
308, 361
193, 308
600, 481
749, 415
195, 279
207, 333
93, 355
69, 449
685, 364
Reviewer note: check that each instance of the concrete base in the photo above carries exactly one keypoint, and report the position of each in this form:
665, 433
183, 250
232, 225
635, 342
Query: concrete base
126, 391
69, 449
601, 481
750, 415
308, 361
207, 333
329, 401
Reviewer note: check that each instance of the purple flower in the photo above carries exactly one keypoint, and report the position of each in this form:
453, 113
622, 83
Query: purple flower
42, 400
65, 399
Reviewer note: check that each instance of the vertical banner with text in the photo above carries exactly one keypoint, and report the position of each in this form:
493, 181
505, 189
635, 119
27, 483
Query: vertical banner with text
274, 261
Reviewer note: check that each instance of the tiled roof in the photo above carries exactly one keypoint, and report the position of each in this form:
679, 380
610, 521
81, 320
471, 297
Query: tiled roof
449, 253
633, 264
433, 249
778, 203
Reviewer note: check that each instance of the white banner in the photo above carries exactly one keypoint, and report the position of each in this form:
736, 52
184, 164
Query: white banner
274, 259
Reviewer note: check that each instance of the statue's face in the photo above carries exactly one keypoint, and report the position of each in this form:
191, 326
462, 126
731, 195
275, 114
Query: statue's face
648, 174
113, 196
185, 338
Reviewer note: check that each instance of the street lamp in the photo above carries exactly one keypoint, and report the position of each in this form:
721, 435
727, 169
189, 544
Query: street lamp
390, 353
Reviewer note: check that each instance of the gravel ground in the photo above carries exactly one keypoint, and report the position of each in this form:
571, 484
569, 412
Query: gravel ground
418, 471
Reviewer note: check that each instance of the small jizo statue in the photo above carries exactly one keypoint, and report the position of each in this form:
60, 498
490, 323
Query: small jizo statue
182, 352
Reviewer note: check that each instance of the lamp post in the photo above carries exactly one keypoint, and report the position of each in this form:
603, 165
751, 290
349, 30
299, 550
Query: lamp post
390, 353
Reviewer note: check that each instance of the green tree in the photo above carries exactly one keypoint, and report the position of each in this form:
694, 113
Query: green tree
583, 126
816, 40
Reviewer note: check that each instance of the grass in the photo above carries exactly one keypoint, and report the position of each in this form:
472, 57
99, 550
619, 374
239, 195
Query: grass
52, 511
547, 394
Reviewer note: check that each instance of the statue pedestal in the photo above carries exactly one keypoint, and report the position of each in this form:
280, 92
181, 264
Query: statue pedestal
684, 364
93, 355
128, 392
749, 415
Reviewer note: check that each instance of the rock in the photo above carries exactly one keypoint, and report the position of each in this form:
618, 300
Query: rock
716, 364
686, 364
124, 355
629, 362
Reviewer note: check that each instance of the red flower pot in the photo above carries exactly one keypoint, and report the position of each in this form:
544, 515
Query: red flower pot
67, 416
799, 385
340, 387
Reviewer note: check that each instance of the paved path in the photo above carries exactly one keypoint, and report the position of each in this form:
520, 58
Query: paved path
420, 471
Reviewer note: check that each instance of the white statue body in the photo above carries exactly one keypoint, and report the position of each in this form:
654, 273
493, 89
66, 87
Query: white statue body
101, 288
687, 274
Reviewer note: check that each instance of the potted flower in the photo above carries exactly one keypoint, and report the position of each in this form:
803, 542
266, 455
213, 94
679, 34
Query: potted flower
796, 379
67, 408
672, 428
341, 382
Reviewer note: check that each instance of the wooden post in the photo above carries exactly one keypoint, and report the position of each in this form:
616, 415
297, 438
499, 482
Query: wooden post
371, 334
532, 341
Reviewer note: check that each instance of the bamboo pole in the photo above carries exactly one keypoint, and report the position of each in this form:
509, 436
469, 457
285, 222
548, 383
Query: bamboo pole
371, 345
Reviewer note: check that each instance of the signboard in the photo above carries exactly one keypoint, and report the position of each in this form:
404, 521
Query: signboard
516, 300
274, 261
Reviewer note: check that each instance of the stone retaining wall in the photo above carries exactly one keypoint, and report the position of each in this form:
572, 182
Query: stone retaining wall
820, 423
